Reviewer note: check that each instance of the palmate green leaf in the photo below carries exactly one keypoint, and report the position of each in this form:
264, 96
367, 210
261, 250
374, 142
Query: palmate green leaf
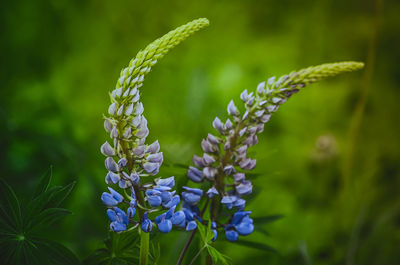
120, 248
10, 207
46, 218
44, 182
207, 235
51, 198
21, 240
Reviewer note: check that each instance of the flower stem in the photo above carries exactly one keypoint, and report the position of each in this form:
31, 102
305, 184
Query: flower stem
186, 247
144, 248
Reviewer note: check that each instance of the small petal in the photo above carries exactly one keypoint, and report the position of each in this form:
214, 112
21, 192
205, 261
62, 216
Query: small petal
108, 199
154, 201
208, 160
208, 147
228, 124
229, 170
265, 118
173, 202
217, 124
139, 109
198, 161
117, 226
114, 132
120, 110
165, 226
178, 218
139, 151
107, 125
239, 177
128, 133
231, 235
210, 172
155, 158
232, 109
212, 191
195, 174
151, 167
131, 212
243, 95
112, 108
260, 88
129, 109
111, 165
107, 150
153, 148
168, 182
192, 225
213, 139
118, 197
122, 162
244, 188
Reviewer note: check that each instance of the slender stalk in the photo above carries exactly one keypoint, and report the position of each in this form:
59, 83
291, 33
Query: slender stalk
184, 250
197, 255
144, 248
186, 247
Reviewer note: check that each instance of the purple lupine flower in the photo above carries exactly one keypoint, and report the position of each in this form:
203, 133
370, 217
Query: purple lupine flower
191, 195
111, 199
147, 224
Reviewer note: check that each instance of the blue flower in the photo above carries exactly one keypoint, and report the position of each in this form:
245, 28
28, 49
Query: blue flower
164, 222
244, 188
214, 229
111, 199
168, 182
211, 192
191, 195
147, 224
179, 219
195, 174
243, 223
173, 202
230, 233
119, 220
153, 197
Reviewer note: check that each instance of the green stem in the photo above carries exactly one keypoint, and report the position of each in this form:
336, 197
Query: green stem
144, 248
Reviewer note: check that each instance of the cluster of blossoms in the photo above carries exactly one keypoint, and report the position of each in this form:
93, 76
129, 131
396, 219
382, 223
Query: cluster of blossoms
224, 162
129, 159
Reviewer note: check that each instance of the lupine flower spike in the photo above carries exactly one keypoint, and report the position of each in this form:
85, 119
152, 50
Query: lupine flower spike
225, 159
130, 161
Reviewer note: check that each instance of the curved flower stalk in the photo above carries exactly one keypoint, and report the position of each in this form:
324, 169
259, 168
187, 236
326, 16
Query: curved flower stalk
131, 162
225, 163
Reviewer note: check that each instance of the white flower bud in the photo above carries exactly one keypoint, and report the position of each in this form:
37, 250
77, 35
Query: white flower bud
232, 109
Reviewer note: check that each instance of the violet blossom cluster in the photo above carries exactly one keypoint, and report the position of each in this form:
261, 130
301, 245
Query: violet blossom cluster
225, 160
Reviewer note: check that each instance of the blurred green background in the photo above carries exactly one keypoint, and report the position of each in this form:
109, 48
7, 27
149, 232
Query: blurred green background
329, 160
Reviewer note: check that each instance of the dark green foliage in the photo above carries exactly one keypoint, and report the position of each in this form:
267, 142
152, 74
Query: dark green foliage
122, 249
22, 225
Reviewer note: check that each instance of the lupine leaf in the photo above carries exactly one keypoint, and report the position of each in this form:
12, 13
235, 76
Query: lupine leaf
119, 249
44, 182
9, 205
20, 246
59, 196
57, 253
256, 245
46, 218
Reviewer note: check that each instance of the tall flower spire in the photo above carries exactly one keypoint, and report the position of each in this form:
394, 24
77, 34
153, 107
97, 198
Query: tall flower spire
129, 158
225, 162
